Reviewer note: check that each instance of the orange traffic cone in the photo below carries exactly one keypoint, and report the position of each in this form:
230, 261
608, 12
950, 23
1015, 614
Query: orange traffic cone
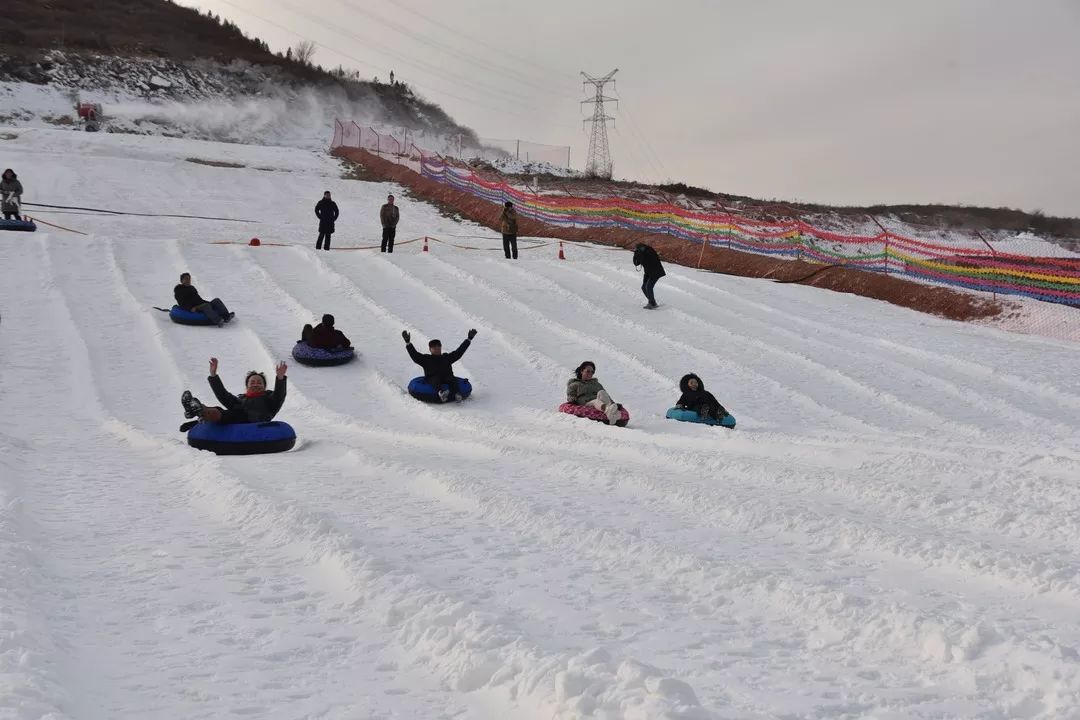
425, 244
562, 255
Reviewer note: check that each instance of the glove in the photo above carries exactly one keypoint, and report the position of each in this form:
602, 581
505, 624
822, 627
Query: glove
472, 333
405, 334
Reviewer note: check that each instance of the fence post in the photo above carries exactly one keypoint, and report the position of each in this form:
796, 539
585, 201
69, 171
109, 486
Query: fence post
517, 151
993, 252
886, 234
567, 157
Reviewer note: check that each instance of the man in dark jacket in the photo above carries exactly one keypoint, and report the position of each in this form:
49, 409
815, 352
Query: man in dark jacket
326, 336
11, 191
187, 297
696, 398
389, 216
439, 368
256, 404
647, 258
327, 212
508, 223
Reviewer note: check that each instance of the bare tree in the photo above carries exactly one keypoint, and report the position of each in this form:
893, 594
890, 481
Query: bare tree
304, 51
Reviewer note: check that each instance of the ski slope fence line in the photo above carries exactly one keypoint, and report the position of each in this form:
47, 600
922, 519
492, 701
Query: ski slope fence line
960, 264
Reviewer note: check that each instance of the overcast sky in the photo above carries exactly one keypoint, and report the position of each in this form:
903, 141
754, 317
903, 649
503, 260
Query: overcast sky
839, 101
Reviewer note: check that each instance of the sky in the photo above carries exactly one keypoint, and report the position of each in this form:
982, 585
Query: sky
841, 101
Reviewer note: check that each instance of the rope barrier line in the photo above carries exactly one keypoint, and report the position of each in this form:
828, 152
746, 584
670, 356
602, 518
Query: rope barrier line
138, 214
58, 227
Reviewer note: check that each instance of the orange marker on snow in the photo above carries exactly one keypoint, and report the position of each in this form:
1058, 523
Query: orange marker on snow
562, 256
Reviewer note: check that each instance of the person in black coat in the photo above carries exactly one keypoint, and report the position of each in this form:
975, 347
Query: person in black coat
327, 212
646, 257
256, 404
187, 298
439, 368
696, 398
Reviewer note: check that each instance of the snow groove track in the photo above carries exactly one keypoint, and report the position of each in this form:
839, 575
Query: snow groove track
892, 532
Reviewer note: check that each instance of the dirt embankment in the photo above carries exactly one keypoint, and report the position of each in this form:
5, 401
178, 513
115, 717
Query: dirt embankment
944, 302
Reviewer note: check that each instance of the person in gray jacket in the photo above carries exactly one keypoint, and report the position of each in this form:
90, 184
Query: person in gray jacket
11, 191
585, 389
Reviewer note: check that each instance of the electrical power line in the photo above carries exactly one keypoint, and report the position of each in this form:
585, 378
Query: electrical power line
431, 42
424, 86
532, 65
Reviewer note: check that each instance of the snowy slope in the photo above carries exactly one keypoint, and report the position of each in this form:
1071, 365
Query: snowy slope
891, 532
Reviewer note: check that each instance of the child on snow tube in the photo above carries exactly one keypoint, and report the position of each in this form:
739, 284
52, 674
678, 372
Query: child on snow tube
699, 401
586, 397
323, 344
438, 369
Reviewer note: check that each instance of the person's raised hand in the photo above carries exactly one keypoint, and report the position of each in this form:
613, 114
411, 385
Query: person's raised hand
281, 369
213, 367
405, 335
472, 333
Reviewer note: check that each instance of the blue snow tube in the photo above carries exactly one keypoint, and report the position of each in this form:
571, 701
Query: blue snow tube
242, 438
420, 389
186, 317
690, 416
308, 355
18, 225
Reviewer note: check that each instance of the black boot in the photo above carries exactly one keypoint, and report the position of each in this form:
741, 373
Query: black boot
192, 406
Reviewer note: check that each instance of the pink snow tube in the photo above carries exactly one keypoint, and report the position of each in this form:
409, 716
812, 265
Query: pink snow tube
592, 413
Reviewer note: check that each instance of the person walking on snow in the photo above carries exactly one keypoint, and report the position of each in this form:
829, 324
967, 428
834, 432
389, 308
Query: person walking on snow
585, 389
188, 298
327, 212
647, 258
256, 404
388, 216
11, 191
508, 223
439, 368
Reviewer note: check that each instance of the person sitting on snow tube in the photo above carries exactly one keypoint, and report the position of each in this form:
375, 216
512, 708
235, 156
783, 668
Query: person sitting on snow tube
256, 405
439, 368
325, 335
699, 400
11, 191
188, 298
585, 390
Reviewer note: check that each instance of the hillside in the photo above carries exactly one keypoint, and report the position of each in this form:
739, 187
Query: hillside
71, 42
890, 531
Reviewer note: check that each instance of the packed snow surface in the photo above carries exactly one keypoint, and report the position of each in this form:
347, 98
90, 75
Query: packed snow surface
892, 531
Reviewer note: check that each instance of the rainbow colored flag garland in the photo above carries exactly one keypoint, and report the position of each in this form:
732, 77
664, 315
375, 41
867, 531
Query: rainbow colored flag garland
1043, 278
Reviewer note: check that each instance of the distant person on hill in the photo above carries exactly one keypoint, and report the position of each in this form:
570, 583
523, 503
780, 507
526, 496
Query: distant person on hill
11, 191
508, 223
325, 335
585, 389
439, 368
647, 258
327, 212
188, 298
388, 216
696, 398
256, 404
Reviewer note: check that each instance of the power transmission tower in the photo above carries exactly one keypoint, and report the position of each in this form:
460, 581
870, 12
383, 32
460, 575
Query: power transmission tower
598, 164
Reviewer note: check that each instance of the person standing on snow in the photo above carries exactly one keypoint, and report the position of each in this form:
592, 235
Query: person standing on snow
439, 368
647, 258
508, 223
11, 191
389, 215
327, 212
